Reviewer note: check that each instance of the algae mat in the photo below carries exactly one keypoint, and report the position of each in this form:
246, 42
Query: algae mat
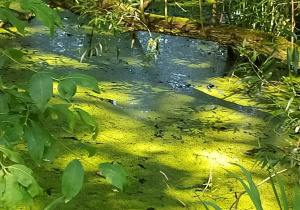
174, 124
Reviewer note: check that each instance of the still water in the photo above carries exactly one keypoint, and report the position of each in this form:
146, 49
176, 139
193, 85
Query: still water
173, 123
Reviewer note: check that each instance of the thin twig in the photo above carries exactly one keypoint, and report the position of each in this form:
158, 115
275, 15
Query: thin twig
209, 180
182, 203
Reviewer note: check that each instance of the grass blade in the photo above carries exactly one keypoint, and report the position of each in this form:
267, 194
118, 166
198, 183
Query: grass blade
252, 189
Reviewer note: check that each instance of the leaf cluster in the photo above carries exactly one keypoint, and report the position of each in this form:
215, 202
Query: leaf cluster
267, 15
48, 16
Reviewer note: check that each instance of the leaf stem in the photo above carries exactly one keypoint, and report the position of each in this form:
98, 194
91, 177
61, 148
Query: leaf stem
3, 168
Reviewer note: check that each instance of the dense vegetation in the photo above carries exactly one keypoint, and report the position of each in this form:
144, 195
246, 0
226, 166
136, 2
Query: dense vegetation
24, 109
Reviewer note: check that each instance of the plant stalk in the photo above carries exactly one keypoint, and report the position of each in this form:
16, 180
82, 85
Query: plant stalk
201, 13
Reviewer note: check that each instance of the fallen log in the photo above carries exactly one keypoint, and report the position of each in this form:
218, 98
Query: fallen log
223, 34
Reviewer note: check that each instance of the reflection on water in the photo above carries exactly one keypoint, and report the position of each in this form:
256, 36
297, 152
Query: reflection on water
178, 115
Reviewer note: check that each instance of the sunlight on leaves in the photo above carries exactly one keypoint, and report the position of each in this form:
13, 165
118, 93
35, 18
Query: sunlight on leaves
72, 179
114, 174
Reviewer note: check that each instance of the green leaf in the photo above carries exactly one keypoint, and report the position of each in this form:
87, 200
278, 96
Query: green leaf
282, 191
3, 104
289, 103
72, 179
7, 15
2, 59
91, 150
26, 196
86, 117
15, 55
289, 58
2, 185
254, 56
88, 120
12, 195
54, 203
290, 33
1, 82
47, 15
114, 174
12, 135
296, 59
297, 198
25, 178
50, 149
84, 81
215, 206
62, 110
252, 189
41, 89
67, 89
33, 136
13, 156
9, 140
251, 79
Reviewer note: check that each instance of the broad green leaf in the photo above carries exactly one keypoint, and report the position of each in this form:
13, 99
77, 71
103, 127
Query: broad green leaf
296, 59
7, 15
33, 136
114, 174
47, 15
3, 104
86, 117
62, 110
84, 81
67, 89
26, 196
12, 195
25, 178
54, 203
90, 149
50, 149
15, 55
72, 180
13, 156
10, 119
41, 89
88, 120
9, 139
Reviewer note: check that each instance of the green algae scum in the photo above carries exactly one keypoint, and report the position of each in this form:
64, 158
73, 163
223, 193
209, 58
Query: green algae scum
175, 123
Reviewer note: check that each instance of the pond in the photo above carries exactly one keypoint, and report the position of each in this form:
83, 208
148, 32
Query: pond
173, 123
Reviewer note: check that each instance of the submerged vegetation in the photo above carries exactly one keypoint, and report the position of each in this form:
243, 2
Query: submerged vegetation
30, 111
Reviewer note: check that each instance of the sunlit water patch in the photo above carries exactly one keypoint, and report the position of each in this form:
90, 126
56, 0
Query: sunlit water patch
173, 122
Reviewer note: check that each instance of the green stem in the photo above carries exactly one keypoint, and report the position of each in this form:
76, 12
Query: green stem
3, 168
201, 13
166, 10
142, 11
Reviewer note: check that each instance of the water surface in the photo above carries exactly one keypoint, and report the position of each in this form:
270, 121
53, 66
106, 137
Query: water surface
172, 123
